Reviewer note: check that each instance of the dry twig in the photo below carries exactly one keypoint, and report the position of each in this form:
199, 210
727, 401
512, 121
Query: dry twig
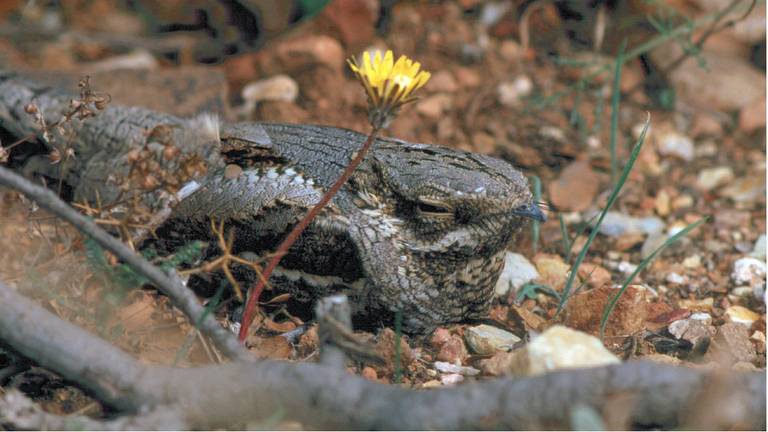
182, 297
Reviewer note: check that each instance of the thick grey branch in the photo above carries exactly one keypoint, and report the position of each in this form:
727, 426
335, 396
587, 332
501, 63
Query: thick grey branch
182, 297
233, 394
20, 412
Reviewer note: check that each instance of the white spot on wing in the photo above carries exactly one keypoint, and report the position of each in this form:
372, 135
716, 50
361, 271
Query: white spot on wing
188, 189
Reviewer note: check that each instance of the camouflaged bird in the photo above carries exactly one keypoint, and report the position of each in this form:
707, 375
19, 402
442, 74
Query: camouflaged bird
419, 228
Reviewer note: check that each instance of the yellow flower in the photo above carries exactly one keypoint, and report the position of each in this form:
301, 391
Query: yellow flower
388, 84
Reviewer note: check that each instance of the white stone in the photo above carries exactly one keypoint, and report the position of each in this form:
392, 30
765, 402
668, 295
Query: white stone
677, 328
675, 144
703, 317
511, 93
276, 88
616, 224
517, 272
711, 178
626, 267
692, 262
487, 340
676, 279
450, 368
742, 291
451, 379
759, 250
748, 270
560, 347
741, 315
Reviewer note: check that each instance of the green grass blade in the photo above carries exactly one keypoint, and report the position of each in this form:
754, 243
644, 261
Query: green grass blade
596, 229
536, 225
579, 233
566, 238
643, 264
615, 98
682, 30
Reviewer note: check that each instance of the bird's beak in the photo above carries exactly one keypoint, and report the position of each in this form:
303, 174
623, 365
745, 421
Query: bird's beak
530, 210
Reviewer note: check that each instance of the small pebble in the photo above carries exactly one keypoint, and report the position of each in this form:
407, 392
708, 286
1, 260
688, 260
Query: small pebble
517, 272
511, 93
616, 224
745, 189
676, 279
486, 340
677, 145
742, 291
369, 373
560, 347
758, 251
692, 262
732, 344
451, 368
748, 270
434, 106
711, 178
451, 379
453, 350
682, 202
626, 267
741, 315
276, 88
702, 316
697, 332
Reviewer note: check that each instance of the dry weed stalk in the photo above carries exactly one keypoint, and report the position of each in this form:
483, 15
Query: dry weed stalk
226, 259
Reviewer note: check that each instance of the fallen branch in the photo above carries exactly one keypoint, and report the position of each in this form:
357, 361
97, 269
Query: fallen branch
181, 296
20, 412
237, 393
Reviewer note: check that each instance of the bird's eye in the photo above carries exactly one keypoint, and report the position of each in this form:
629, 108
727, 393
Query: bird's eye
433, 209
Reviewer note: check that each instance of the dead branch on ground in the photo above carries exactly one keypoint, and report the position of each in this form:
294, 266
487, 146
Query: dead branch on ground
234, 394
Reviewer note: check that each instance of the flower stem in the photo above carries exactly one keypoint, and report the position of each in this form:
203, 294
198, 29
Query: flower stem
290, 239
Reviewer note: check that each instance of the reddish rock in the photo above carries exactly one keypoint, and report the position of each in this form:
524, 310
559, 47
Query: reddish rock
353, 21
752, 116
385, 348
595, 275
439, 337
453, 351
576, 188
731, 344
584, 311
369, 373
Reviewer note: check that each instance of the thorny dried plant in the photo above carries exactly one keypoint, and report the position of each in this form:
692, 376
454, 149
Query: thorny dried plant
156, 168
87, 105
226, 259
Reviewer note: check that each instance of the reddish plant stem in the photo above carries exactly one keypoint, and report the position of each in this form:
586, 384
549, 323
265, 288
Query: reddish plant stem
290, 239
